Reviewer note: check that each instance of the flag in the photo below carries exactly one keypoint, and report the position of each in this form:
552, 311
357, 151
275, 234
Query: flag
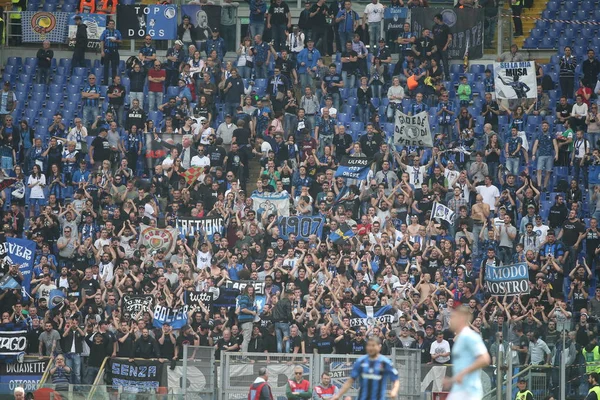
137, 21
341, 234
271, 203
441, 211
4, 183
413, 130
96, 25
515, 80
466, 57
158, 239
57, 298
192, 174
20, 252
38, 26
354, 167
371, 315
9, 283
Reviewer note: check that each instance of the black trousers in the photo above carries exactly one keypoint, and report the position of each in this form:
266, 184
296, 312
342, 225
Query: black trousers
111, 61
78, 59
516, 11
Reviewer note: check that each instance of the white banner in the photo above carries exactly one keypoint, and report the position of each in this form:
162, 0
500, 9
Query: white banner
413, 130
515, 80
271, 203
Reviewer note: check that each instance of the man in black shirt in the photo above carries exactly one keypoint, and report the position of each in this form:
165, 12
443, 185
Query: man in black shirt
286, 65
563, 110
215, 151
442, 39
278, 19
44, 57
384, 55
490, 111
318, 21
236, 161
125, 341
166, 342
331, 85
146, 346
349, 65
116, 98
342, 142
572, 233
226, 343
89, 287
423, 48
136, 116
100, 148
324, 344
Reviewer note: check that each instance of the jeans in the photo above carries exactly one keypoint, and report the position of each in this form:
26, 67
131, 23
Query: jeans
43, 75
90, 113
391, 110
593, 138
256, 28
230, 108
349, 79
336, 100
493, 170
278, 36
476, 232
111, 61
305, 80
245, 72
155, 99
377, 90
579, 170
260, 71
73, 361
512, 165
118, 111
282, 330
90, 375
288, 121
345, 37
137, 95
374, 35
364, 113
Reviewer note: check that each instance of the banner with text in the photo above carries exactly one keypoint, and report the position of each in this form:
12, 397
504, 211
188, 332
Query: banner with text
394, 18
158, 239
271, 203
507, 280
133, 304
354, 167
13, 342
138, 376
199, 299
137, 21
466, 28
371, 315
413, 130
176, 317
259, 287
26, 375
301, 226
19, 252
189, 226
38, 26
515, 80
96, 24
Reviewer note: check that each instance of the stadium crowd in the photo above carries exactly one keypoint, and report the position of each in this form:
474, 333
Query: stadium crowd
519, 196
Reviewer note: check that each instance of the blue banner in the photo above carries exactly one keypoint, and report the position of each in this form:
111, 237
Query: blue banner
371, 315
394, 18
9, 283
301, 226
137, 21
354, 168
507, 279
38, 26
176, 317
26, 374
594, 174
96, 24
20, 252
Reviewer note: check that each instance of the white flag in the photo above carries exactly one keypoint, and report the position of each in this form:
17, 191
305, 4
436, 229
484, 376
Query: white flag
515, 80
271, 203
413, 130
442, 212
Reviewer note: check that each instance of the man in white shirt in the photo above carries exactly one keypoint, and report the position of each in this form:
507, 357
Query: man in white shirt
440, 349
373, 15
578, 113
200, 160
489, 193
540, 229
581, 149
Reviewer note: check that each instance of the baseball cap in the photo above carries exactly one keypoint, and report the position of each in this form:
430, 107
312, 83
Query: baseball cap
179, 42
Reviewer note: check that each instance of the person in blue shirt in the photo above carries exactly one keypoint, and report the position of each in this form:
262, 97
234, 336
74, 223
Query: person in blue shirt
109, 49
445, 115
513, 151
469, 355
147, 54
258, 9
217, 44
372, 372
307, 63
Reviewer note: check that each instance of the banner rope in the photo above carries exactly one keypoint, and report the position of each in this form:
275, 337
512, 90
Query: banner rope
565, 21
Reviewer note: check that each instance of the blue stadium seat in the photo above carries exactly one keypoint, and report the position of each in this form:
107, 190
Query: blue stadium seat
548, 43
60, 79
65, 62
68, 8
542, 24
33, 6
29, 69
11, 69
569, 32
587, 32
456, 68
553, 5
571, 5
581, 15
531, 43
172, 91
549, 15
14, 61
537, 33
357, 126
260, 83
477, 68
352, 101
31, 61
554, 32
77, 80
344, 118
565, 14
588, 5
25, 78
49, 7
564, 41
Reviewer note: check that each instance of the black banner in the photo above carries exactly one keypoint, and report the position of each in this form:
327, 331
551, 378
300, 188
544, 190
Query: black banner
466, 27
189, 226
13, 340
26, 374
259, 287
196, 299
132, 304
225, 297
138, 376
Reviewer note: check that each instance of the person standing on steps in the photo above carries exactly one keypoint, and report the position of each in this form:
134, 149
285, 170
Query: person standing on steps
80, 42
517, 7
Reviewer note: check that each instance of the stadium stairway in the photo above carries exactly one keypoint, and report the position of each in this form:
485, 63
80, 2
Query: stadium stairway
529, 21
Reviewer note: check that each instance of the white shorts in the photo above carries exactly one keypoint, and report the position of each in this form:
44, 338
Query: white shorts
460, 395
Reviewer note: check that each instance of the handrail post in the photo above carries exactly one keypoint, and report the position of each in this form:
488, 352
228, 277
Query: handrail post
184, 372
499, 379
509, 377
563, 375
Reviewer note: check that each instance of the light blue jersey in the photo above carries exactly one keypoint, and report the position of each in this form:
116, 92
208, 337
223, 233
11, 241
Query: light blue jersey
467, 347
